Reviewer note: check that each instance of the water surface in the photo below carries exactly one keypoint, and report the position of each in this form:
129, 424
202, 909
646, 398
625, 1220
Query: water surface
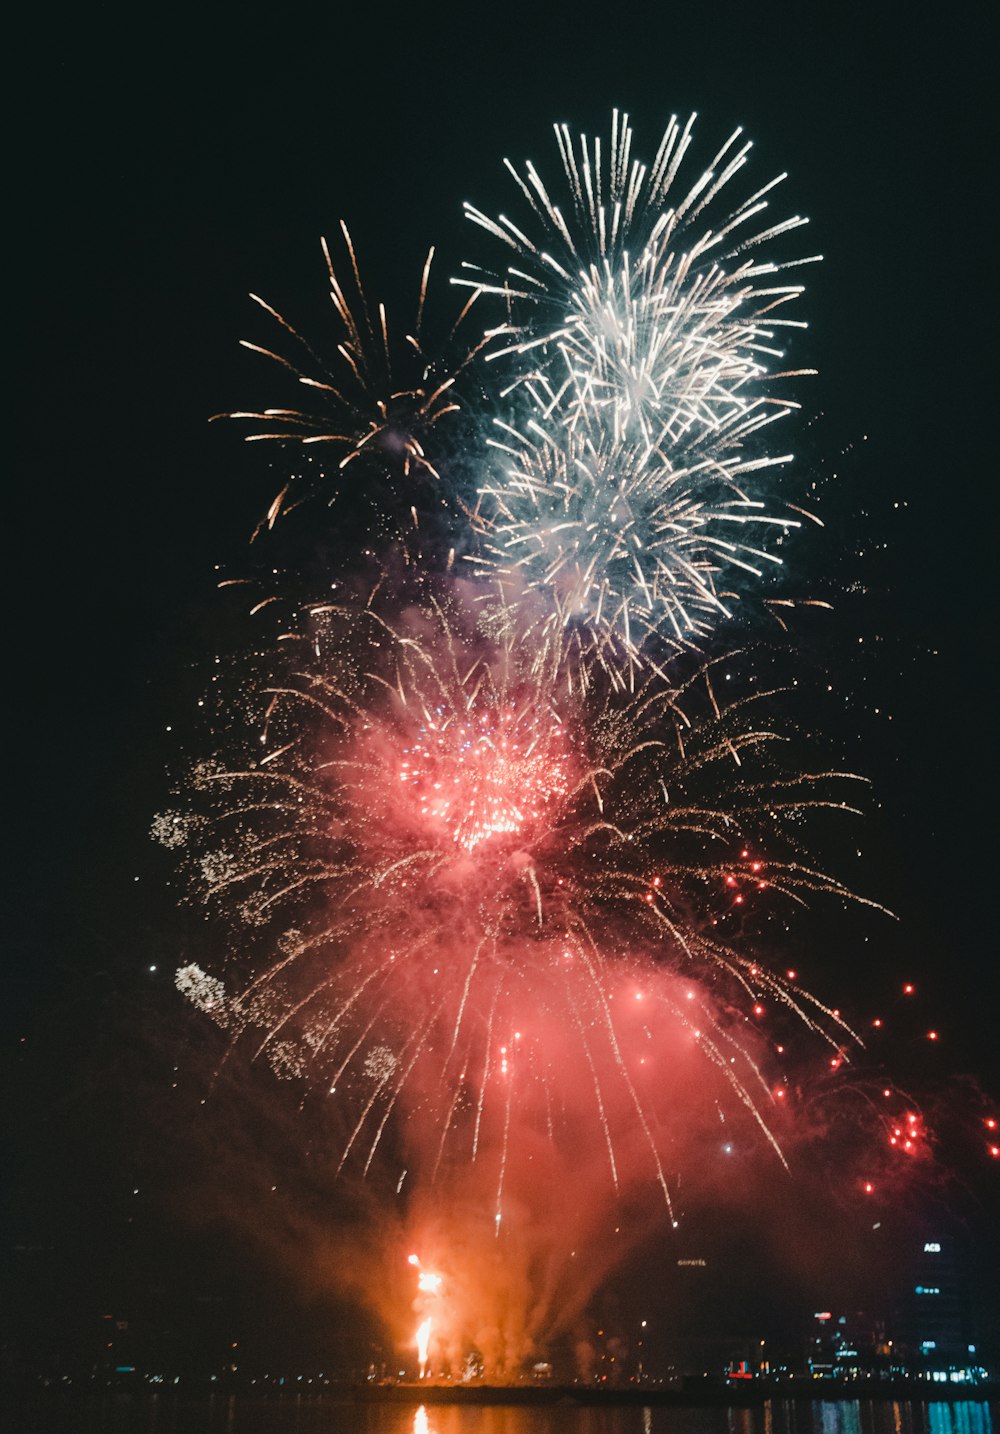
59, 1412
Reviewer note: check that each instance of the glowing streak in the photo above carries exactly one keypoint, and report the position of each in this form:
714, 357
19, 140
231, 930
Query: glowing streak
423, 1339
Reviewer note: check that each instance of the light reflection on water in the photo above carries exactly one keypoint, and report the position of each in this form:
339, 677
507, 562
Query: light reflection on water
138, 1414
841, 1418
959, 1419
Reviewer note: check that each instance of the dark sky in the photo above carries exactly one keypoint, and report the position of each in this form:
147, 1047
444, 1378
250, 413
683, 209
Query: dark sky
157, 172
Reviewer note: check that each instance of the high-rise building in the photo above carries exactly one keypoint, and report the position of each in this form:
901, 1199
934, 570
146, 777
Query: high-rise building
933, 1320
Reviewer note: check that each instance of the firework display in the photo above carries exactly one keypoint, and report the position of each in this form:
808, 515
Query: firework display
376, 398
448, 843
483, 835
645, 363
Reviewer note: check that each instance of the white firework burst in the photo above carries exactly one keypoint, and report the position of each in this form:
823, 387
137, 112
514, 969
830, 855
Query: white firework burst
647, 356
206, 993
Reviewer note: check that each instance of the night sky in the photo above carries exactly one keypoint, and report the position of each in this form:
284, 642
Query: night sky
159, 174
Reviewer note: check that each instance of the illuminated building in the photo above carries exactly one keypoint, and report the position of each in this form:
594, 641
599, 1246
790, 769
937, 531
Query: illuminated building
845, 1346
933, 1325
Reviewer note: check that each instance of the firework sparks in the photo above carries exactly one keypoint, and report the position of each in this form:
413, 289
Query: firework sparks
423, 1341
462, 833
427, 1304
491, 775
646, 370
380, 399
491, 850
